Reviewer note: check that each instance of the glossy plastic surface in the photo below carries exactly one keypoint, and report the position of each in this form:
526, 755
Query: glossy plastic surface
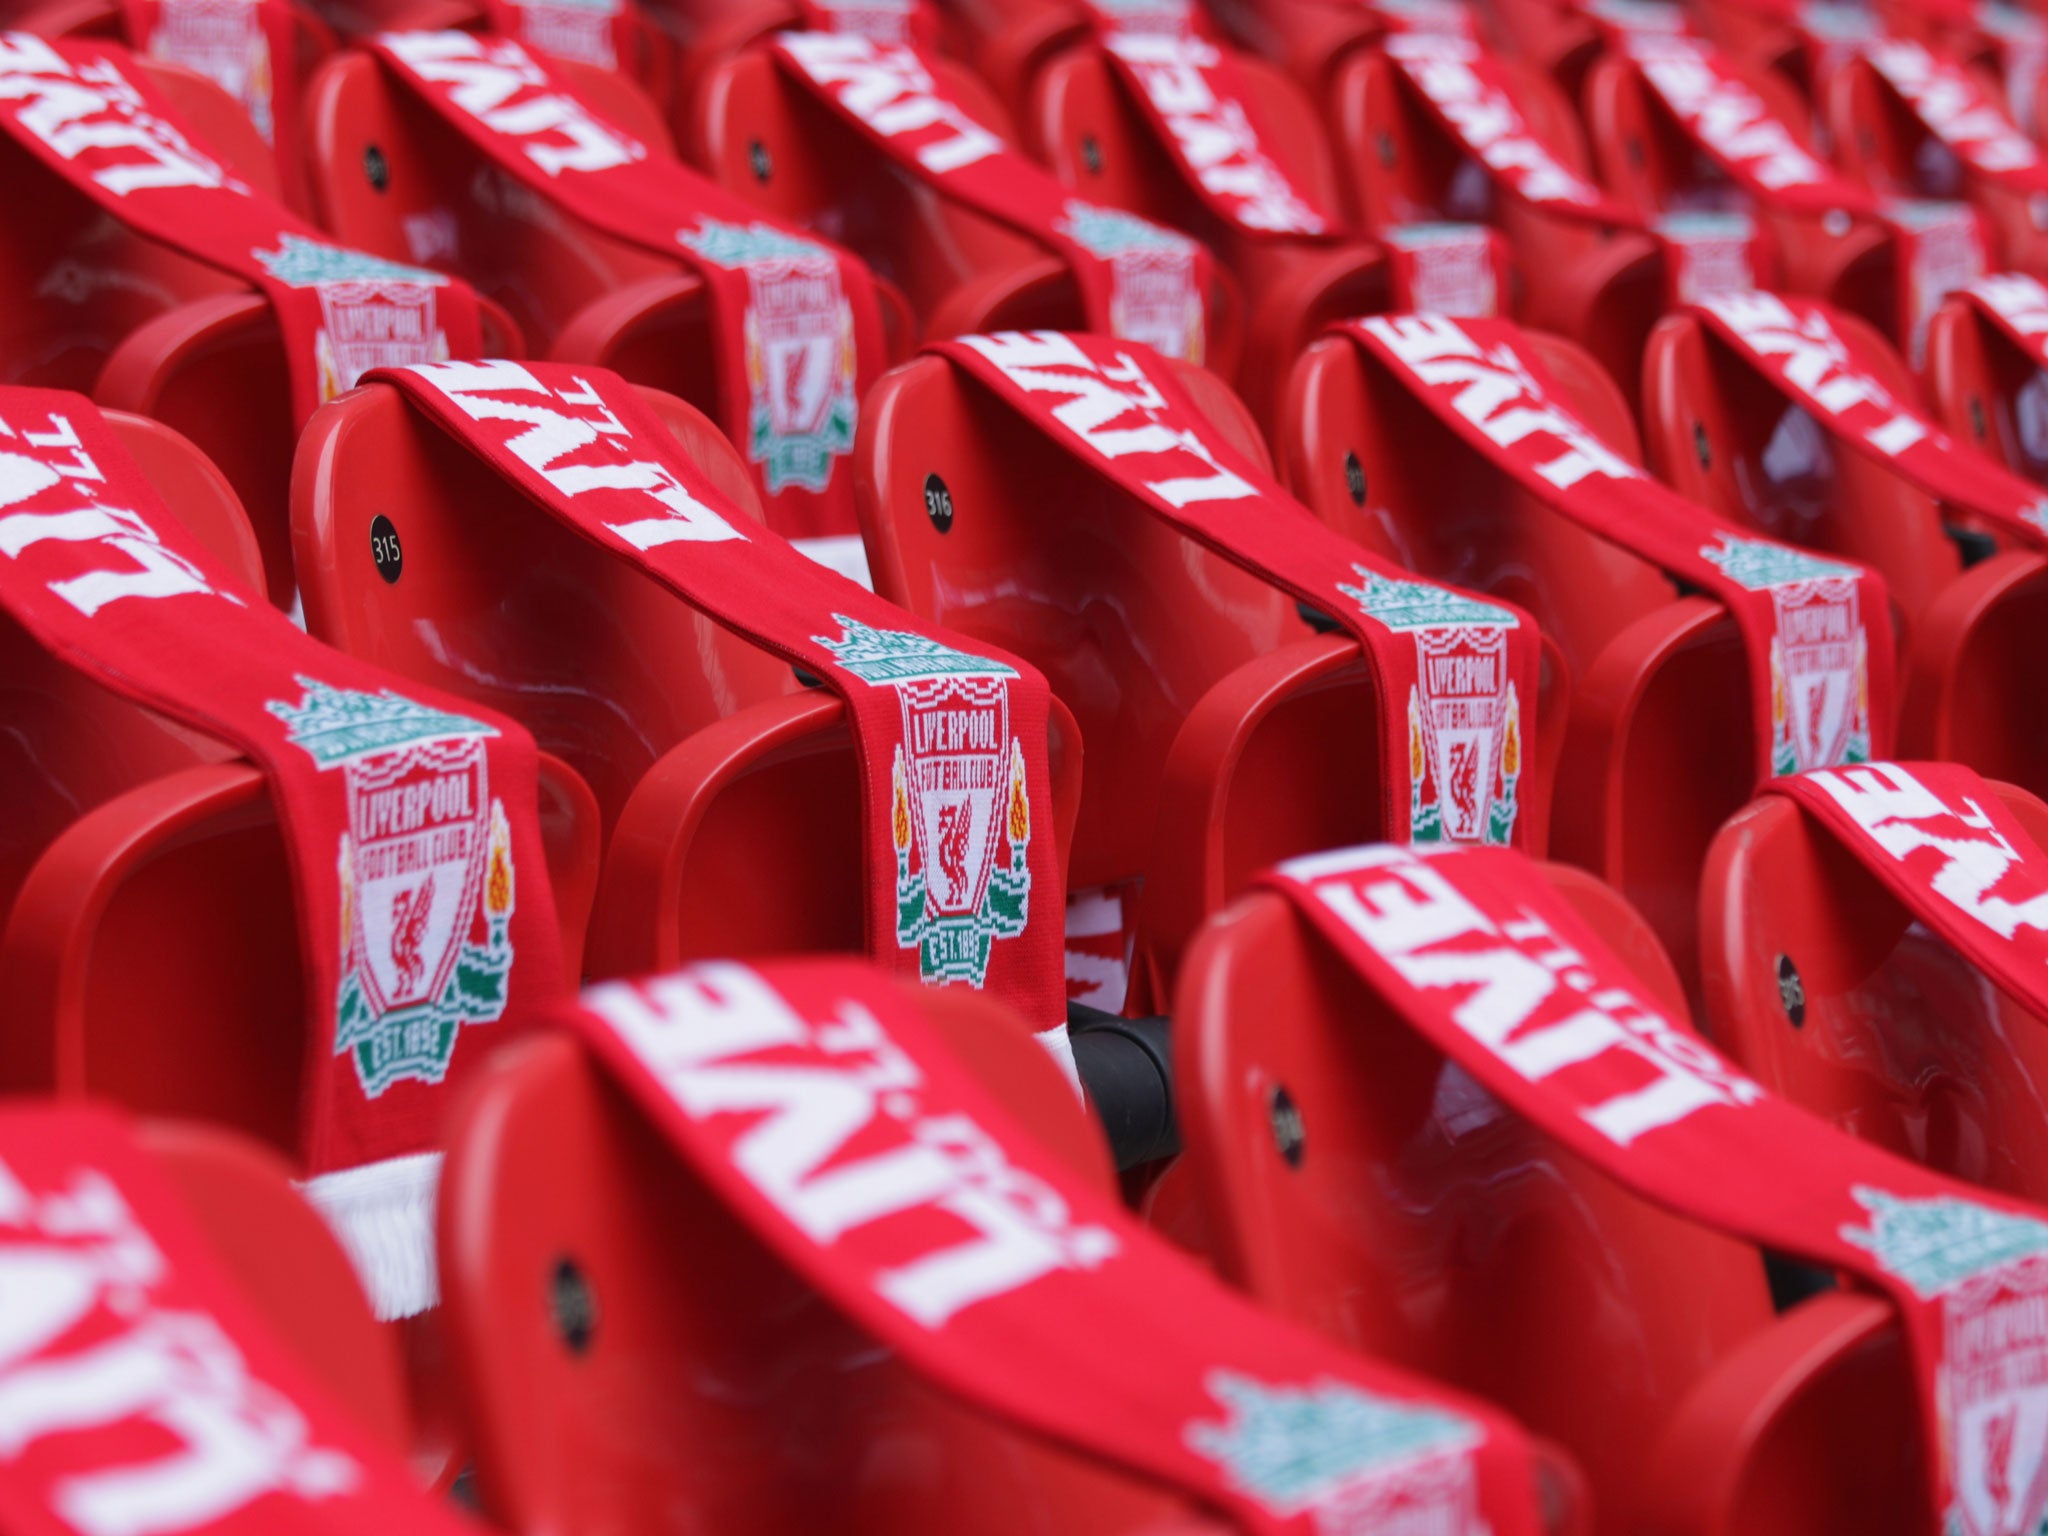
1604, 288
1986, 390
712, 1390
1144, 635
764, 138
1658, 737
1423, 1222
1881, 1028
1082, 121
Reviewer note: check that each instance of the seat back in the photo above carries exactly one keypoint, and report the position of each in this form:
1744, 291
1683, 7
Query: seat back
764, 138
389, 176
1722, 435
1131, 623
1659, 744
593, 1286
1826, 990
1601, 286
492, 599
1354, 1180
1082, 120
1986, 390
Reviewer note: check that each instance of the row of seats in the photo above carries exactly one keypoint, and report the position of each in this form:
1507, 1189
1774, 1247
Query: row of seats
617, 1344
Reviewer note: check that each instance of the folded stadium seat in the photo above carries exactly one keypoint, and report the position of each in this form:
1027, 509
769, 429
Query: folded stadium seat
1680, 126
1133, 112
1801, 43
729, 783
1908, 123
1225, 724
1807, 430
173, 283
186, 1342
1671, 706
1428, 126
1984, 372
616, 36
260, 53
159, 939
1831, 991
565, 206
675, 1288
906, 158
1342, 1170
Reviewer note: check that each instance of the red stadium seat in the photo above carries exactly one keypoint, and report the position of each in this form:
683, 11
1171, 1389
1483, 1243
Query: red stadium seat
1659, 746
1720, 433
1828, 992
593, 1284
763, 138
727, 791
1221, 731
1341, 1172
1080, 118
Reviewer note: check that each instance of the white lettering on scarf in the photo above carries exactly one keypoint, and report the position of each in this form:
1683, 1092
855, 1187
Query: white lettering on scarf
721, 1042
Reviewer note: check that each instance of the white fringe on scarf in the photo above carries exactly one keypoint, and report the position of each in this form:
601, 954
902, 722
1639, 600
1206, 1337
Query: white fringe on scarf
384, 1215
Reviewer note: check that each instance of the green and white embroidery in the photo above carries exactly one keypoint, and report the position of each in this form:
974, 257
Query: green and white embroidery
1295, 1448
373, 313
1153, 298
801, 363
425, 869
1464, 713
1989, 1268
1820, 656
957, 786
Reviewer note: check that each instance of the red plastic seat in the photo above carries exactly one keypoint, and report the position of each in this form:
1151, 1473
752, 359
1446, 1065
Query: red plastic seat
1407, 1214
634, 1359
728, 793
1602, 287
1880, 143
1659, 746
289, 1267
1827, 991
1080, 119
763, 138
1722, 435
1644, 159
1985, 390
1221, 731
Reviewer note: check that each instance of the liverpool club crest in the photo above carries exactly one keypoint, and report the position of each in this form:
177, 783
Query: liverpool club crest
1153, 297
571, 29
1820, 660
801, 366
1360, 1463
957, 793
223, 40
426, 877
1464, 715
1991, 1270
373, 313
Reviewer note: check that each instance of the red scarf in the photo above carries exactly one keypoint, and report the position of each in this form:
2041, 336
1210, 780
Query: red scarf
1477, 954
595, 32
1192, 93
1941, 246
1941, 841
796, 331
1137, 280
410, 819
1947, 102
1793, 343
1817, 632
140, 1393
2017, 307
109, 132
1467, 95
951, 742
1446, 269
249, 48
1454, 674
927, 1216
